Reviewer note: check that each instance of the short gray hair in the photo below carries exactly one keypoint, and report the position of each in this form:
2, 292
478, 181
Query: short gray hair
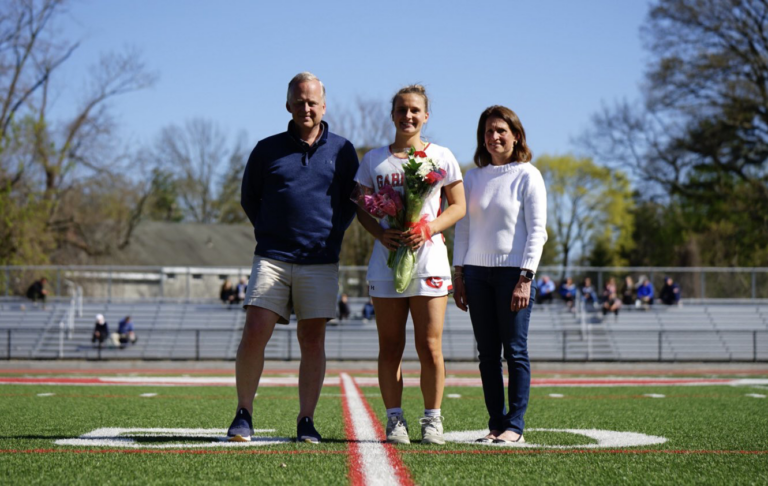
301, 78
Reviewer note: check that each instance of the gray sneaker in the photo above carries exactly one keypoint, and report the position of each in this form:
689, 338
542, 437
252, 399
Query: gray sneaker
397, 430
432, 430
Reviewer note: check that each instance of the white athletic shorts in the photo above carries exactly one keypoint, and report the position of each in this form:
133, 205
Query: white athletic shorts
420, 286
310, 290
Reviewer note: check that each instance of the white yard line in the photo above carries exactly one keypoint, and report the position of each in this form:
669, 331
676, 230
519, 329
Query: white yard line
379, 463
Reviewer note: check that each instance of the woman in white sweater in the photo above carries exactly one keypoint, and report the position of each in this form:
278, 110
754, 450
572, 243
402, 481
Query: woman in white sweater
497, 249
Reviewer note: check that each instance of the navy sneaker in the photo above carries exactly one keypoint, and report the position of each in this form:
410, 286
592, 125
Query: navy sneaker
306, 432
241, 429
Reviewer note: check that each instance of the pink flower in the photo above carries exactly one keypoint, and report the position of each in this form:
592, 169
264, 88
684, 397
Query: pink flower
393, 195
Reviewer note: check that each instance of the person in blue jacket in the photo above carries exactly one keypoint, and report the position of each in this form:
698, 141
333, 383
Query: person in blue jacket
645, 293
296, 192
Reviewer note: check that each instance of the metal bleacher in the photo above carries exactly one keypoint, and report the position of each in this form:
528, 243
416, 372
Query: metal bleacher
176, 329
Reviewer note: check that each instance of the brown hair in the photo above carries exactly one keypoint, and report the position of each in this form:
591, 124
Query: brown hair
521, 152
411, 89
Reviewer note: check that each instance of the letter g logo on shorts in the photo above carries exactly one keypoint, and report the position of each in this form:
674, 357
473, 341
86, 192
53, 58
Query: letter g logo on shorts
435, 282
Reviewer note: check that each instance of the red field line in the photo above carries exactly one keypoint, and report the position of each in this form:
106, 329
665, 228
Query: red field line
289, 371
402, 472
356, 476
364, 381
586, 451
449, 452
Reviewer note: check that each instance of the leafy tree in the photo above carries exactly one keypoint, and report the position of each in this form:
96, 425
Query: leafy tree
587, 204
164, 196
700, 136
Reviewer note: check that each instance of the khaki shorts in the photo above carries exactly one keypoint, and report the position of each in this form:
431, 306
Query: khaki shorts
310, 290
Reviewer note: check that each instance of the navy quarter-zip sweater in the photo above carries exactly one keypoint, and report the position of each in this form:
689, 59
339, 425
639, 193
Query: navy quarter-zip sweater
298, 197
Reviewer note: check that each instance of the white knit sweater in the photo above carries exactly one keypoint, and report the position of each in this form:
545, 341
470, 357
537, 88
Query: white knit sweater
506, 220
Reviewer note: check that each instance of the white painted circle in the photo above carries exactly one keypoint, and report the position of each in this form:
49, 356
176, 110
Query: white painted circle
125, 437
604, 438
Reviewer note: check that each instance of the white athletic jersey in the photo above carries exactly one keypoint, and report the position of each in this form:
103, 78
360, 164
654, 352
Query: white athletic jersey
379, 168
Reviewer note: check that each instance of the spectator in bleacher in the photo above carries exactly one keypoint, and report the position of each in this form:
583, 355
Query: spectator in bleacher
567, 292
498, 244
240, 290
100, 330
670, 292
610, 288
628, 291
343, 307
612, 303
125, 332
227, 293
37, 291
645, 293
546, 290
295, 192
368, 310
588, 294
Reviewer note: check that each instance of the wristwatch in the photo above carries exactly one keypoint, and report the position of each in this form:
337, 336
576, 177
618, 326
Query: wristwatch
527, 274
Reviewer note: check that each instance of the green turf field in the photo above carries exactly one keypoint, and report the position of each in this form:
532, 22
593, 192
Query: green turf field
715, 435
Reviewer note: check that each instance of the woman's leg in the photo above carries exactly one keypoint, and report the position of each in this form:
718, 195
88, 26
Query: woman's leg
428, 316
514, 337
482, 311
391, 315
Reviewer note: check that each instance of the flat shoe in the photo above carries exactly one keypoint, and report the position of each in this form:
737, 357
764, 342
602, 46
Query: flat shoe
520, 440
484, 440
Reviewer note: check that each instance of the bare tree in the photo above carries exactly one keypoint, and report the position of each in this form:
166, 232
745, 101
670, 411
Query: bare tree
198, 156
42, 159
366, 123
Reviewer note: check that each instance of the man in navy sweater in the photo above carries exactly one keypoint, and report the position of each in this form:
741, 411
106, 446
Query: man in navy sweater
296, 192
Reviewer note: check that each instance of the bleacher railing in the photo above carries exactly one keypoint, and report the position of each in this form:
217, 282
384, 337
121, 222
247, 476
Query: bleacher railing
351, 343
190, 283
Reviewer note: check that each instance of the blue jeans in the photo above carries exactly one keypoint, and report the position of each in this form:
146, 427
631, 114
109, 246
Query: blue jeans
498, 329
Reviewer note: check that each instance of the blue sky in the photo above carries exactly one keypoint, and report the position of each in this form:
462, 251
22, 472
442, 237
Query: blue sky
552, 61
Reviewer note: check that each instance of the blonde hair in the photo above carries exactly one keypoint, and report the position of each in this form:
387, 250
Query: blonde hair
411, 89
301, 78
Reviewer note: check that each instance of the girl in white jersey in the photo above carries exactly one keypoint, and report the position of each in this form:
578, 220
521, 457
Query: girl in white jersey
426, 297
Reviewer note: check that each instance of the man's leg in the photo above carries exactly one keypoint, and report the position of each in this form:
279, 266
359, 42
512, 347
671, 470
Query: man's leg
311, 336
259, 324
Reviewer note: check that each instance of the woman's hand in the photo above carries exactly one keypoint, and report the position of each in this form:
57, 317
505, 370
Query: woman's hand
460, 293
521, 295
416, 239
391, 238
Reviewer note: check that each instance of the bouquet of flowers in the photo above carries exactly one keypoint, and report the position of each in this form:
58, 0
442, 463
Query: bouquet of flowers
386, 204
422, 177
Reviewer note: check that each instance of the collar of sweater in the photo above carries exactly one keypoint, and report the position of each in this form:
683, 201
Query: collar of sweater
500, 169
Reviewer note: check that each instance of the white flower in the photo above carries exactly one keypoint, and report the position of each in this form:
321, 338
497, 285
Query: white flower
426, 168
